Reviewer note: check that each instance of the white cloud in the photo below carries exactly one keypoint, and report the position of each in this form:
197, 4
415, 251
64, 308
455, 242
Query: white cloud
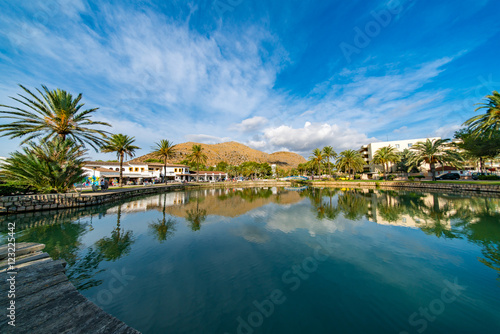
206, 139
314, 135
252, 124
447, 131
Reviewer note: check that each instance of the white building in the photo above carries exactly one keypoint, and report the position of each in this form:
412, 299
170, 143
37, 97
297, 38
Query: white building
138, 172
368, 151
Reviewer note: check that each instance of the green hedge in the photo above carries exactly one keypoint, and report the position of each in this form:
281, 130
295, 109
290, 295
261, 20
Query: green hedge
12, 188
489, 177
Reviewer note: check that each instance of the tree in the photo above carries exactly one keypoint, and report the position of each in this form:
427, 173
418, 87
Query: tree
316, 159
489, 122
350, 160
384, 156
52, 165
404, 163
197, 157
435, 151
329, 153
165, 150
55, 113
122, 145
481, 146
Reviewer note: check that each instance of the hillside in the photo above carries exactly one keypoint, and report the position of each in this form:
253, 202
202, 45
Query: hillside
234, 154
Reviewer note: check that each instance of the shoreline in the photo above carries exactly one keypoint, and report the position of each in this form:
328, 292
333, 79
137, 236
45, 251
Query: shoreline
35, 203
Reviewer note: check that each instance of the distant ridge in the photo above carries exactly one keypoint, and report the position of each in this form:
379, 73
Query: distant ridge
234, 154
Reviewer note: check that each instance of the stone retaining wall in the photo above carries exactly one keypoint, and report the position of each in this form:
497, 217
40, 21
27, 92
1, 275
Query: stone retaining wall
27, 203
456, 187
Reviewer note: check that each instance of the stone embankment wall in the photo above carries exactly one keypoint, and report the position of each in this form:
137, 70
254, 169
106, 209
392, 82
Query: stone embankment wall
453, 187
27, 203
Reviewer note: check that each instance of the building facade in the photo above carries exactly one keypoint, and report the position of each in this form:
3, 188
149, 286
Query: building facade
368, 151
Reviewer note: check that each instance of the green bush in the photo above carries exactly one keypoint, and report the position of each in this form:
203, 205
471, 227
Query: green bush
13, 188
357, 177
411, 178
488, 177
391, 177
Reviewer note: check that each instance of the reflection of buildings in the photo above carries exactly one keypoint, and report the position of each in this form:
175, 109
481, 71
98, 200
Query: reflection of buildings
222, 202
385, 209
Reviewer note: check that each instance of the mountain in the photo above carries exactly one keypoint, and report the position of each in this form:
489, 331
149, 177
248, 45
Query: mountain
234, 154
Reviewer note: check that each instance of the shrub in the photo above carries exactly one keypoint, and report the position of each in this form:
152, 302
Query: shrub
488, 177
357, 177
14, 188
411, 178
391, 177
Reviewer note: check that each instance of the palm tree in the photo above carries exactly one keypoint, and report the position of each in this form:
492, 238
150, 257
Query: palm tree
329, 153
435, 151
490, 121
197, 157
384, 156
350, 160
55, 113
316, 159
165, 150
53, 165
122, 145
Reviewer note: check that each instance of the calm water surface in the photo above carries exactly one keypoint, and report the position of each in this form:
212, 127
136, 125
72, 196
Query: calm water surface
280, 261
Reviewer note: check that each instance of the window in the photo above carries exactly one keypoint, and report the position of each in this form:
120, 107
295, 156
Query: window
130, 169
142, 169
409, 145
136, 169
397, 145
175, 170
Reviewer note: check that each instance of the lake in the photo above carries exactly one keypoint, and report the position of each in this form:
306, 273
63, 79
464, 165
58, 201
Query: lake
271, 260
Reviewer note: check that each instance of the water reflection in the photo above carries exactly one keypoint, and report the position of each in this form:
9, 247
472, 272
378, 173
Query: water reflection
443, 216
476, 219
163, 228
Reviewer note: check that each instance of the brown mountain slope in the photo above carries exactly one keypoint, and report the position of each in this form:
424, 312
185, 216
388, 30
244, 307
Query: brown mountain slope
234, 154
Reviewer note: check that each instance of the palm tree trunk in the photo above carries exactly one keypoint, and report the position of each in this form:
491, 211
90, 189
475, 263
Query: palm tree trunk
433, 171
164, 169
121, 169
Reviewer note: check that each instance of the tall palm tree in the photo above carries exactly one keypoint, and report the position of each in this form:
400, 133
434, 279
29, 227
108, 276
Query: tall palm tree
122, 145
329, 152
490, 121
350, 160
435, 151
54, 113
165, 150
386, 155
197, 157
316, 159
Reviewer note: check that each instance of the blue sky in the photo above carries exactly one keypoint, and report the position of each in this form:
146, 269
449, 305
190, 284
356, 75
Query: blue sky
275, 75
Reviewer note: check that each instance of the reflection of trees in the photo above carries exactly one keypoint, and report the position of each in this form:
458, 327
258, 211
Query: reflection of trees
248, 194
353, 205
118, 244
62, 241
196, 216
163, 228
388, 207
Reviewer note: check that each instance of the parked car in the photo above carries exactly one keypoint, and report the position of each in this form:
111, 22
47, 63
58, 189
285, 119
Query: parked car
448, 176
475, 176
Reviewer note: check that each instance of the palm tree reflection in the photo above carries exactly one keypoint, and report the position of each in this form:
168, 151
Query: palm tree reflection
118, 244
163, 229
